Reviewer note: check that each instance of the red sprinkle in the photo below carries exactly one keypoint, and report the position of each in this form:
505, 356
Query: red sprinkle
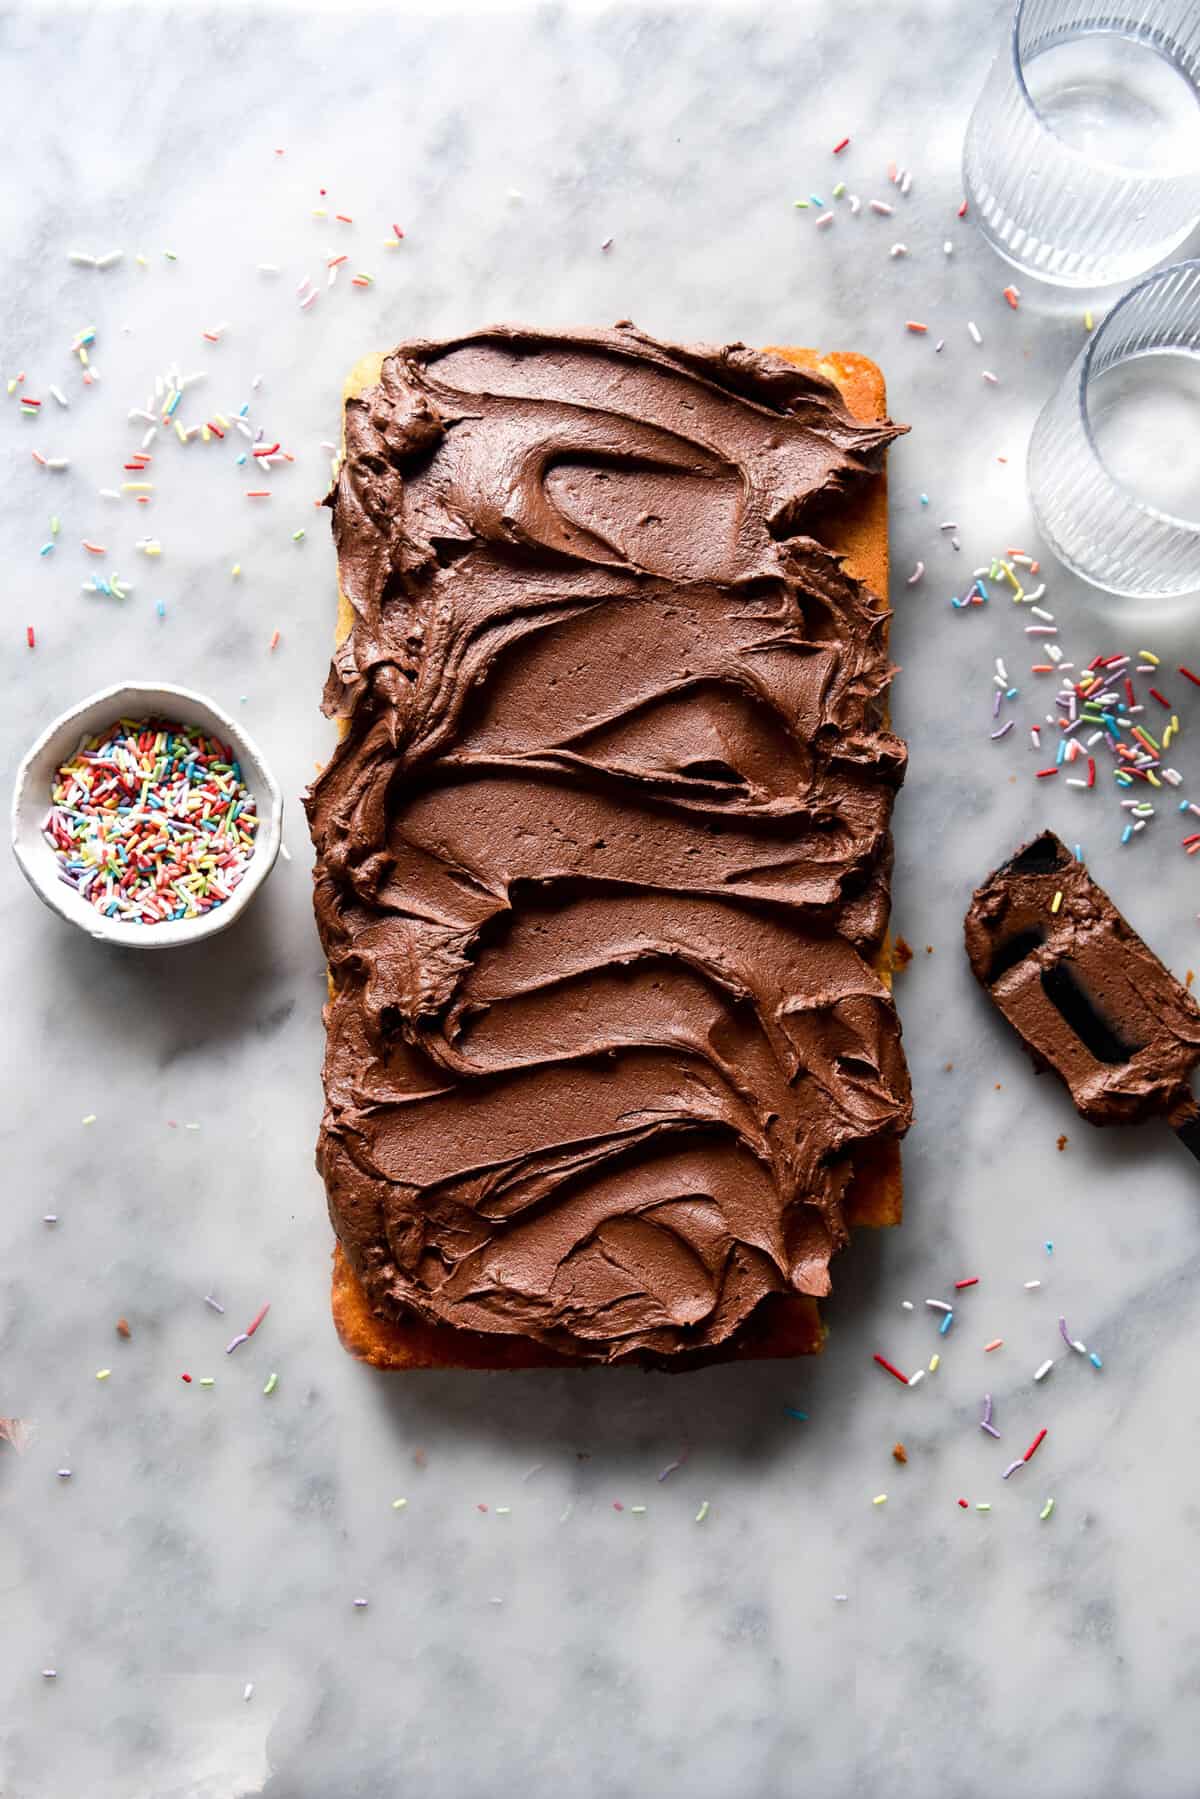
972, 1280
1189, 676
1091, 771
915, 325
187, 1378
963, 1504
30, 639
1042, 773
210, 337
891, 1368
1012, 296
258, 493
480, 1508
962, 211
1029, 1453
396, 231
838, 148
1156, 695
1129, 693
996, 1343
343, 218
257, 1319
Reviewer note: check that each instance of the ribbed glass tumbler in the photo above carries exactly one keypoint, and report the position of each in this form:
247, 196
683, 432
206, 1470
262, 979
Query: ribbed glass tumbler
1114, 460
1082, 156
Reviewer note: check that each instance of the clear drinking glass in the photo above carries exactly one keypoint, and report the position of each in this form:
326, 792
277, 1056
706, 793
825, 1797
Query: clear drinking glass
1082, 157
1114, 460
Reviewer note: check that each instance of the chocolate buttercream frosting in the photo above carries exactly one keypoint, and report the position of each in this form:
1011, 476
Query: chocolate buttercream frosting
1085, 994
603, 854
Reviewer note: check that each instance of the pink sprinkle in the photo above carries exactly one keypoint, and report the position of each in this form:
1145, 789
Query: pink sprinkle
838, 148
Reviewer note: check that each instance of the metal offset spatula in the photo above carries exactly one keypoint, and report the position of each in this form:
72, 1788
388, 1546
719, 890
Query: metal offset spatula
1084, 993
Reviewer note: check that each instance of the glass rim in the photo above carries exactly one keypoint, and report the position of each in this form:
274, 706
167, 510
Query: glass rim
1157, 513
1080, 156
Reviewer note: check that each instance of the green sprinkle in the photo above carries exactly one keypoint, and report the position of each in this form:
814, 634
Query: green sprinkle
839, 190
982, 1506
794, 203
398, 1505
170, 256
55, 525
206, 1380
297, 535
272, 1383
103, 1373
702, 1514
1046, 1509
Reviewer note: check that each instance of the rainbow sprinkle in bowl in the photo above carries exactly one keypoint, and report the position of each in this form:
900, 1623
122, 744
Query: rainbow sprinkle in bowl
146, 816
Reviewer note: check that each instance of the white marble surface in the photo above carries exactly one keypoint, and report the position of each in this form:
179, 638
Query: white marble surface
208, 1538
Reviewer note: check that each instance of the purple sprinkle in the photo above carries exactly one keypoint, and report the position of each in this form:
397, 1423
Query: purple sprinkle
997, 696
214, 1303
1062, 1326
671, 1466
1012, 1467
992, 1432
1003, 731
243, 1338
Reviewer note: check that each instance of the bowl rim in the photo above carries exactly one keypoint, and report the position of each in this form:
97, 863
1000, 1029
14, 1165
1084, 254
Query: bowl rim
126, 698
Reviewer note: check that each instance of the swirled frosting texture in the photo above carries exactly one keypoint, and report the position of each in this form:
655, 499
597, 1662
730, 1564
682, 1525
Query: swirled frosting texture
603, 854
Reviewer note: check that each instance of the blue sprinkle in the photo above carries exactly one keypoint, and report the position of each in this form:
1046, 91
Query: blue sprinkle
924, 499
47, 547
1127, 833
241, 459
1078, 853
161, 609
1012, 693
793, 1413
815, 201
981, 590
1062, 750
944, 1326
1094, 1359
1183, 805
243, 409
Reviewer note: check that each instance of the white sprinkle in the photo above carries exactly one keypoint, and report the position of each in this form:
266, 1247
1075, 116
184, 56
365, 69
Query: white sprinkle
1041, 630
948, 247
841, 1598
905, 182
214, 1303
360, 1603
268, 268
906, 1305
49, 1217
882, 206
256, 383
1032, 1286
914, 1380
992, 380
285, 852
1000, 668
948, 524
58, 464
1038, 612
939, 345
308, 302
248, 1690
898, 250
1072, 782
306, 283
109, 493
939, 1305
58, 394
916, 575
1045, 1368
1054, 653
826, 218
146, 417
855, 203
108, 260
49, 1673
1171, 776
976, 333
1076, 1345
63, 1473
81, 259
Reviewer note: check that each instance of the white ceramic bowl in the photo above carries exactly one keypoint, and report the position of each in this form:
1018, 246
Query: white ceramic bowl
31, 801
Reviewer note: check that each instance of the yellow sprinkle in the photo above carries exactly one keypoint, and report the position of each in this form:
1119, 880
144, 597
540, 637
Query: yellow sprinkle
90, 1119
320, 212
139, 258
1153, 779
222, 421
879, 1499
83, 355
1088, 320
934, 1363
1175, 724
103, 1373
1148, 656
205, 434
1046, 1509
272, 1383
236, 570
982, 1506
206, 1380
702, 1514
180, 433
137, 487
1056, 902
398, 1505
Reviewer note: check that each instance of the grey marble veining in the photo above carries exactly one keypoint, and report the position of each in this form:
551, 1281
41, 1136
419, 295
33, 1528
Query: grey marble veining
210, 1538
